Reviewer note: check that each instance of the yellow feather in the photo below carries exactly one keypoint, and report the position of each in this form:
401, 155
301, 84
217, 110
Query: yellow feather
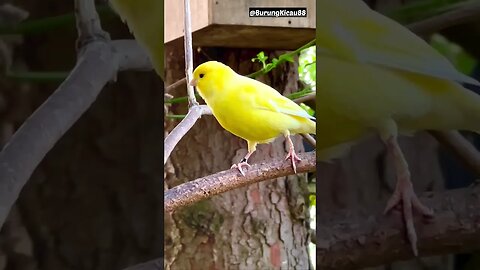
248, 108
145, 20
374, 75
372, 96
349, 29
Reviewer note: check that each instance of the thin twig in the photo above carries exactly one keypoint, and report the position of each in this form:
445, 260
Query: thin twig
310, 139
308, 97
176, 84
208, 186
194, 113
460, 146
88, 24
192, 101
465, 12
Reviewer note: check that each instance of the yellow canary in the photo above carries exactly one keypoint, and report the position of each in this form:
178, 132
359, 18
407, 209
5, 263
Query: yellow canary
250, 109
375, 76
145, 20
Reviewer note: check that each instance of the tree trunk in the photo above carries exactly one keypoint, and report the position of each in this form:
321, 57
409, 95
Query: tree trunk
262, 226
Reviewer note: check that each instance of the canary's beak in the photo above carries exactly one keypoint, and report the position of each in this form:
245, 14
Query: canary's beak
193, 82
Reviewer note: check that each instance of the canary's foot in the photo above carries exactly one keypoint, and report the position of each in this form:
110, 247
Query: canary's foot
408, 200
293, 156
239, 166
404, 194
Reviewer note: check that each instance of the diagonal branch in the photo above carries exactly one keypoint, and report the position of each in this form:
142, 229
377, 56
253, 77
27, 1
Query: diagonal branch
156, 264
98, 62
194, 113
208, 186
461, 147
366, 241
465, 12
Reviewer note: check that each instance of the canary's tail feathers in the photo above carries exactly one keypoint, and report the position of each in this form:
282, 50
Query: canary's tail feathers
469, 101
312, 127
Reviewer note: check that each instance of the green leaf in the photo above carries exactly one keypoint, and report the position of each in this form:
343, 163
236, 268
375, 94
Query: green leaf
176, 116
307, 108
313, 200
287, 57
261, 57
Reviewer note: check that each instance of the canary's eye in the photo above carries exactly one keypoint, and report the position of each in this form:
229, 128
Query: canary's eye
201, 75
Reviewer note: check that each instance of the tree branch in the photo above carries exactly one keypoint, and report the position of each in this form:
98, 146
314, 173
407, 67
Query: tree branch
366, 241
309, 138
156, 264
308, 97
194, 113
461, 147
465, 12
192, 101
98, 62
208, 186
176, 84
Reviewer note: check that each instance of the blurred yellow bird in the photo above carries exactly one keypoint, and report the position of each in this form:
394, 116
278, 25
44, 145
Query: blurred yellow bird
145, 20
375, 76
250, 109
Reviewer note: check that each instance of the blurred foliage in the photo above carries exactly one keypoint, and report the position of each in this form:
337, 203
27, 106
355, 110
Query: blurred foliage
286, 57
40, 26
308, 109
459, 58
307, 67
422, 9
31, 27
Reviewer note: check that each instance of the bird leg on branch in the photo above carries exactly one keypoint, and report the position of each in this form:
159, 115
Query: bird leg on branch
291, 153
404, 193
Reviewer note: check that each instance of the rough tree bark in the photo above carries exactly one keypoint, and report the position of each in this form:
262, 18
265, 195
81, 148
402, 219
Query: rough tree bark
262, 226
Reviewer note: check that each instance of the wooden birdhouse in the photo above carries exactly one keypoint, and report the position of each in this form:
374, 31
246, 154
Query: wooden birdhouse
227, 23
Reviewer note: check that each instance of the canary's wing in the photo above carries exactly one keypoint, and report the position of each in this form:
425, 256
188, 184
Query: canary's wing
144, 19
267, 98
369, 37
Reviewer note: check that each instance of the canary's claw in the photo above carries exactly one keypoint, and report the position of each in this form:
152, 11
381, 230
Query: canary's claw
239, 166
404, 194
291, 155
408, 200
